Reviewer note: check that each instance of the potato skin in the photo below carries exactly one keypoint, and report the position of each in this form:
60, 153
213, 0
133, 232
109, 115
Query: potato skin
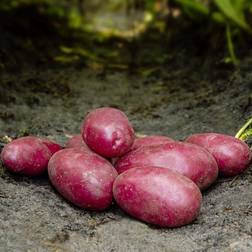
143, 141
83, 178
150, 141
158, 196
51, 145
232, 155
77, 141
107, 131
190, 160
26, 155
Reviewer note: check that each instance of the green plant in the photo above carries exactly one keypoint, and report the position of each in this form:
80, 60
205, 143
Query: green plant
230, 14
245, 131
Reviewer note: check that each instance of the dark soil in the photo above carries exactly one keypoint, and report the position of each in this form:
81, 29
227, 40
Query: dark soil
188, 94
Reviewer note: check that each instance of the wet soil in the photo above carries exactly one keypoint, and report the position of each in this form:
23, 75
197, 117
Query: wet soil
188, 94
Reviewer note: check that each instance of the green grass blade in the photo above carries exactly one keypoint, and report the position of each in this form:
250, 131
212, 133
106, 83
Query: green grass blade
239, 5
231, 45
235, 15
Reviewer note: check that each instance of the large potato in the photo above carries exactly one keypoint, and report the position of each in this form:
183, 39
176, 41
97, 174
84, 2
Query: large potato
26, 155
158, 196
144, 140
83, 178
232, 155
190, 160
107, 131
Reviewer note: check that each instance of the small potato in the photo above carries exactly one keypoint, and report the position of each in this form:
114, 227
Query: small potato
26, 155
51, 145
150, 141
77, 142
107, 131
190, 160
158, 196
83, 178
232, 155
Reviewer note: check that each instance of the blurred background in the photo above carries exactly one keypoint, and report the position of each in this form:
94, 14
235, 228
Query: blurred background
123, 34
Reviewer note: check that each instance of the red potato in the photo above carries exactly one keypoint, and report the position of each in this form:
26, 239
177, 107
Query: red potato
77, 142
232, 155
83, 178
51, 145
143, 141
107, 131
190, 160
26, 155
158, 196
150, 141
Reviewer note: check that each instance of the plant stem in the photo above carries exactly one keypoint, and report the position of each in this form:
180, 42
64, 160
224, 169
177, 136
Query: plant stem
231, 45
241, 134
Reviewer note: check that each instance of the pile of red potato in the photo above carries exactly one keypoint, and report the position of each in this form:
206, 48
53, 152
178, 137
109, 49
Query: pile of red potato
154, 178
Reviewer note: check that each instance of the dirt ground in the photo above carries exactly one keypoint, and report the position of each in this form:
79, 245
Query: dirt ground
183, 97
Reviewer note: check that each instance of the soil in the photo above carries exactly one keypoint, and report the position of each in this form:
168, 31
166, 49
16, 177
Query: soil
186, 95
